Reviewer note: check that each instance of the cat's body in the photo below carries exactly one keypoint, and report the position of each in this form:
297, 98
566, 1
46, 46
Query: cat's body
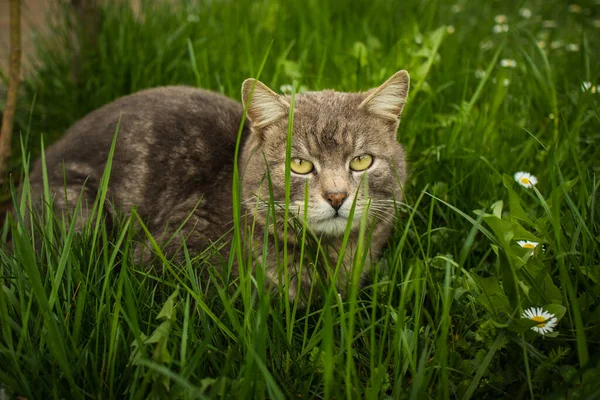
174, 158
169, 160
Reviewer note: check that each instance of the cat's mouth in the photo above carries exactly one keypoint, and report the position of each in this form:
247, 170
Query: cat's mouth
326, 220
333, 225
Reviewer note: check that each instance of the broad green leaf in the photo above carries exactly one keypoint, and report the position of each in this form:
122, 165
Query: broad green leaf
160, 333
492, 295
497, 209
556, 309
168, 308
590, 271
507, 231
551, 291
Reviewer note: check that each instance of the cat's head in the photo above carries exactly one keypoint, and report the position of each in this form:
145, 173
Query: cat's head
343, 148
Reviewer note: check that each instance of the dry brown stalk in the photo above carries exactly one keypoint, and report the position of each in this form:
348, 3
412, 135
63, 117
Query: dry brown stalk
14, 80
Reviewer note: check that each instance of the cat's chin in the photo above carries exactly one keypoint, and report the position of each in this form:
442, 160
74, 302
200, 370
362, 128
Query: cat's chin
334, 226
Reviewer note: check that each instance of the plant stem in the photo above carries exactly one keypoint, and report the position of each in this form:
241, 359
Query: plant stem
14, 81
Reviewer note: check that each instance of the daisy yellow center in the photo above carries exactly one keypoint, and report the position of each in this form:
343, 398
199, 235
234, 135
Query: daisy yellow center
539, 318
525, 181
528, 246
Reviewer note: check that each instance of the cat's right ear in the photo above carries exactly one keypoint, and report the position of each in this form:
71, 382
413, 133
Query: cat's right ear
264, 105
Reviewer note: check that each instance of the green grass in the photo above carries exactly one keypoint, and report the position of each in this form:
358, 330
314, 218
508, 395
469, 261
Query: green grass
441, 317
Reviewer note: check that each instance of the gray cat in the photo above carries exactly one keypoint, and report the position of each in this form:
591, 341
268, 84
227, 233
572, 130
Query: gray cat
174, 159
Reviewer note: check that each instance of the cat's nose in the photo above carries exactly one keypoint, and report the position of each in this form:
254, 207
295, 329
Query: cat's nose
336, 199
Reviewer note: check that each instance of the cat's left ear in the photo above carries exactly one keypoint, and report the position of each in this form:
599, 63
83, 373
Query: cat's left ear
264, 105
387, 101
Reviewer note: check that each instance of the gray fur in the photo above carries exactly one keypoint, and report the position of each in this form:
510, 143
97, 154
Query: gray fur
174, 157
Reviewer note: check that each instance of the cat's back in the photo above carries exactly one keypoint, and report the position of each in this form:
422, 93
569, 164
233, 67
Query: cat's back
170, 140
169, 116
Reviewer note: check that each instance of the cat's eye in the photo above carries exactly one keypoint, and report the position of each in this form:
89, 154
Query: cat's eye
301, 166
362, 162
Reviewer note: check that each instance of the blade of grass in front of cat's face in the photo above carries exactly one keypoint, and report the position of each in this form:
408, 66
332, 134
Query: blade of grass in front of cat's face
313, 274
332, 290
237, 240
286, 211
252, 359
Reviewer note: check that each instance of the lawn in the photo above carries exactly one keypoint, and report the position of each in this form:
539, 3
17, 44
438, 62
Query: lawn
497, 87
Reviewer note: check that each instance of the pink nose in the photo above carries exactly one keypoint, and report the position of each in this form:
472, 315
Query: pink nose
336, 199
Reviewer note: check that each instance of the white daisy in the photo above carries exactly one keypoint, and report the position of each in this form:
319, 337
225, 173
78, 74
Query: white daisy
479, 73
499, 28
286, 89
585, 86
546, 321
541, 44
456, 8
450, 29
500, 19
525, 179
506, 82
525, 13
555, 44
508, 63
572, 47
527, 244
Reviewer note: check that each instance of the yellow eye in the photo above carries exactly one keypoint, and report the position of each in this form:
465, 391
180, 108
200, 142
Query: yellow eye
301, 166
360, 163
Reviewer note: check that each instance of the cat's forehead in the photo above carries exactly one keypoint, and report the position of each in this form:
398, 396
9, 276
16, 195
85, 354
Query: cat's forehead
328, 102
330, 122
327, 112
